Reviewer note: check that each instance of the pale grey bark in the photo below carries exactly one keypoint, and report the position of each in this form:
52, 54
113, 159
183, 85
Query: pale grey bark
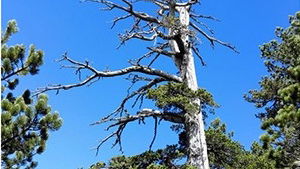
194, 125
296, 165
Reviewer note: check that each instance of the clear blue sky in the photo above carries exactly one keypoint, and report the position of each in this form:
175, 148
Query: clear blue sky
83, 30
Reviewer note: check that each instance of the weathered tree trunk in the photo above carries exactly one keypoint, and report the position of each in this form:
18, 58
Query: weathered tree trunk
194, 125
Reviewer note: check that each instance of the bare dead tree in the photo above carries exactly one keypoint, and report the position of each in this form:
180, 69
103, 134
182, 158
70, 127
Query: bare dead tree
173, 27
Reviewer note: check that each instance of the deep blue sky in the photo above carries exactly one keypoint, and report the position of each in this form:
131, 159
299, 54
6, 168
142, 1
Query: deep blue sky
83, 30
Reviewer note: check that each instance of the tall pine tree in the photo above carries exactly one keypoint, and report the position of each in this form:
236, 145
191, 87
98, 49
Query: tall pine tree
25, 123
279, 95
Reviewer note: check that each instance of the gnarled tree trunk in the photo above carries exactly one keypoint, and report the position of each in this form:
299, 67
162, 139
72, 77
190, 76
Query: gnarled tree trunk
194, 125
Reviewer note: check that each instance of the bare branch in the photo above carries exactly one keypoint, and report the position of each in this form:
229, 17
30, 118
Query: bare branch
155, 133
189, 3
84, 65
140, 69
141, 90
213, 39
135, 78
161, 51
203, 16
168, 116
120, 18
102, 74
203, 24
121, 123
138, 35
141, 15
196, 51
161, 4
151, 52
65, 87
154, 59
138, 32
104, 140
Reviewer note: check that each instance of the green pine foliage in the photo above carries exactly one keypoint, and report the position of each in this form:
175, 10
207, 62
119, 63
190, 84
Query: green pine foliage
224, 152
25, 123
160, 159
279, 95
14, 59
177, 97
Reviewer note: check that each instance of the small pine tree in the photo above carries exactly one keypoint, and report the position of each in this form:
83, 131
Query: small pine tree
25, 123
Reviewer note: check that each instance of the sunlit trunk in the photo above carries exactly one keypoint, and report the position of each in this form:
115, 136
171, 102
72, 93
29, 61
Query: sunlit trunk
194, 125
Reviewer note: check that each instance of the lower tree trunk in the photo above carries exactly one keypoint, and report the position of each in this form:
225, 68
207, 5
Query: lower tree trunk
194, 125
196, 148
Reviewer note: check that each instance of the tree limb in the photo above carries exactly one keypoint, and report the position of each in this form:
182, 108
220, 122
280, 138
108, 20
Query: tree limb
141, 15
141, 90
101, 74
15, 72
213, 39
121, 123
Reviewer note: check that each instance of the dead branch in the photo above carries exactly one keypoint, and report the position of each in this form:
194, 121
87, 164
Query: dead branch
212, 39
101, 74
196, 51
121, 123
161, 51
141, 15
202, 24
151, 52
168, 116
193, 15
189, 3
120, 18
155, 133
140, 91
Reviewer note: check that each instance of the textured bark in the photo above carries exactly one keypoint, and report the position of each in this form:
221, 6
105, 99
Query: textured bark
194, 125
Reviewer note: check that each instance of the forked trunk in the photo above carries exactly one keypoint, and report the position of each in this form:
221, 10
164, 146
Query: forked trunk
194, 125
